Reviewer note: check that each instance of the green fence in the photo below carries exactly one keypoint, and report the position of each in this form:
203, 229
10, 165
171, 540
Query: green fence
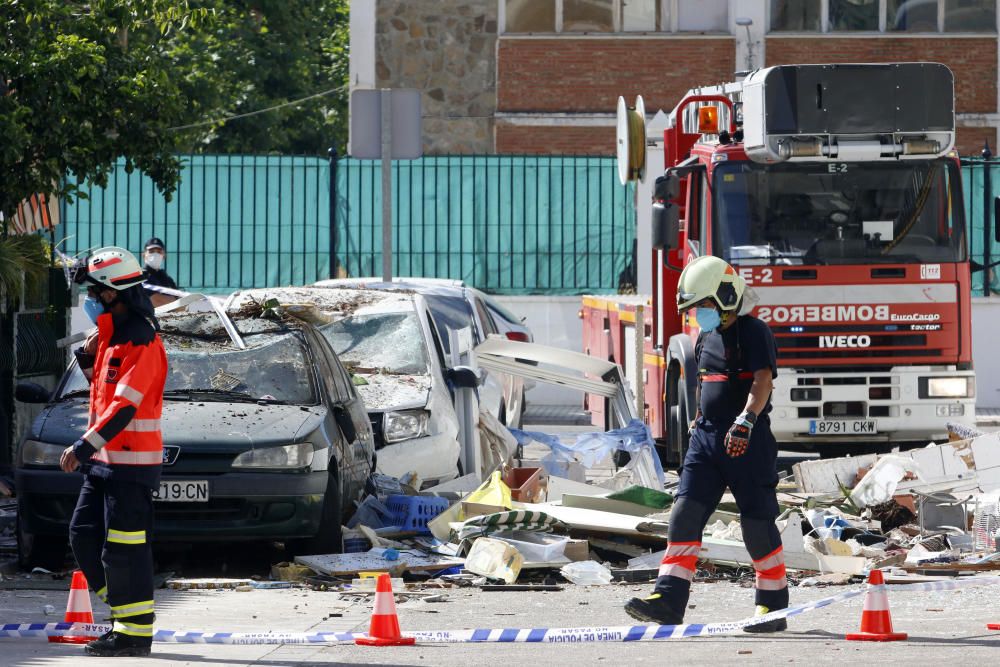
509, 225
973, 181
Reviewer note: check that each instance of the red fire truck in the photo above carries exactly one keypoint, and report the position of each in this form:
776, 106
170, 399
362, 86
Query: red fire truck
835, 192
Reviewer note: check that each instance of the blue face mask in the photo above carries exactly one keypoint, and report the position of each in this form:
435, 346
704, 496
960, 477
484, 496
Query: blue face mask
93, 307
708, 318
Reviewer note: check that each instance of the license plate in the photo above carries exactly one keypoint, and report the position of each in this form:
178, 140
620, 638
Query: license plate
191, 491
843, 426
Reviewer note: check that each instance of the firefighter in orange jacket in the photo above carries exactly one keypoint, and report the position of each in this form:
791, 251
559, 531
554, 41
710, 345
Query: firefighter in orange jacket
121, 453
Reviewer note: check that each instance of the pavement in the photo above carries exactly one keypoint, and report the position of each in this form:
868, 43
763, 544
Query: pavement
944, 627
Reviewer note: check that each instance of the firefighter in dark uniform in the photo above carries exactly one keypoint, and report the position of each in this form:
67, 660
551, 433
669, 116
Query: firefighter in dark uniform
731, 446
121, 453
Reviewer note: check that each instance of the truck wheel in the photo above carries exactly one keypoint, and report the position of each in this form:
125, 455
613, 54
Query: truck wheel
677, 421
329, 538
48, 551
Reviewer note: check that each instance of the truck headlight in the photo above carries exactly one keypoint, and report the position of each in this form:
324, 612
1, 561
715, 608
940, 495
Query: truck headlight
285, 457
34, 453
960, 387
404, 425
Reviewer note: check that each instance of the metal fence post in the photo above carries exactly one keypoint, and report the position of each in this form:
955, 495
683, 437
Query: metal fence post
333, 213
987, 196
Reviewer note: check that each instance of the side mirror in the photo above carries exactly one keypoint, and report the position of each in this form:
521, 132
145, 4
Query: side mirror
30, 392
463, 377
666, 225
667, 187
996, 219
343, 418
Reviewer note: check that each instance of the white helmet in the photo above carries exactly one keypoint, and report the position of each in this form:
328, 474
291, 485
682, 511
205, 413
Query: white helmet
710, 277
114, 268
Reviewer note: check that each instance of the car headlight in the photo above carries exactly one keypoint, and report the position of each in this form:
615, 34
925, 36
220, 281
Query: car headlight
404, 425
287, 456
960, 387
34, 453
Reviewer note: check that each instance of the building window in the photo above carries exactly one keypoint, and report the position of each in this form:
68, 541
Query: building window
645, 15
530, 15
611, 16
854, 15
893, 16
703, 16
795, 15
970, 16
588, 16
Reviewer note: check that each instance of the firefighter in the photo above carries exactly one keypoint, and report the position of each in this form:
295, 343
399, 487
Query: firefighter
731, 446
121, 452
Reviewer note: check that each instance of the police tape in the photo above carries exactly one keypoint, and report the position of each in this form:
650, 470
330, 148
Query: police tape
625, 633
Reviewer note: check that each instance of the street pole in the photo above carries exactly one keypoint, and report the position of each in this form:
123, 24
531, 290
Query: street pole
386, 185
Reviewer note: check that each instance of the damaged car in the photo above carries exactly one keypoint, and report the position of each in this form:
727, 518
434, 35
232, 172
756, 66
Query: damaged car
265, 438
388, 342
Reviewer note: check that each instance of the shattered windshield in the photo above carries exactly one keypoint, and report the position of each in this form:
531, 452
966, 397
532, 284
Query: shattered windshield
379, 342
276, 371
838, 213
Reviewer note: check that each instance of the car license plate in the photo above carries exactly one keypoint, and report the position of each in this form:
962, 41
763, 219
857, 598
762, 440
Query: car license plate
191, 491
843, 426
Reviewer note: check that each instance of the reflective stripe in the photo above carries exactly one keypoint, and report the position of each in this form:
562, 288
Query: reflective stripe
772, 560
133, 629
103, 594
682, 549
130, 458
128, 393
724, 377
674, 570
143, 425
126, 537
95, 440
771, 584
133, 609
385, 605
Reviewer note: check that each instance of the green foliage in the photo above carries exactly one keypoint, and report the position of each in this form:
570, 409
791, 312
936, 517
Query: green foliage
83, 84
22, 259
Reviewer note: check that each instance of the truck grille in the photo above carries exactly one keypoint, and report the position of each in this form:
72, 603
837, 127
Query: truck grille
825, 345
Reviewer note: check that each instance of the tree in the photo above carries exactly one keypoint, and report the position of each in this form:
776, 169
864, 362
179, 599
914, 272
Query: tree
265, 54
84, 83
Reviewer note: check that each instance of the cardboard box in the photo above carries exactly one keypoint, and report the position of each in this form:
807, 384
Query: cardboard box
577, 550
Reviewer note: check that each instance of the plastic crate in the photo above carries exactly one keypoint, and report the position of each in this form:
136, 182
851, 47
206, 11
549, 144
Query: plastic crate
413, 513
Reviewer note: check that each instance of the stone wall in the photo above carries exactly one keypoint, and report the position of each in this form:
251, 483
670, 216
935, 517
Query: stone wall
447, 50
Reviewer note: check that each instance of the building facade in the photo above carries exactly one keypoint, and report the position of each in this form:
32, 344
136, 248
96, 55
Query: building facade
543, 76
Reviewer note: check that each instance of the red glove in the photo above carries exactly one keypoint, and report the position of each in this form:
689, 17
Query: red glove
738, 438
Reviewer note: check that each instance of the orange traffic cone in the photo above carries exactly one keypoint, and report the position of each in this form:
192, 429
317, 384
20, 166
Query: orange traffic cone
78, 610
993, 626
384, 630
876, 623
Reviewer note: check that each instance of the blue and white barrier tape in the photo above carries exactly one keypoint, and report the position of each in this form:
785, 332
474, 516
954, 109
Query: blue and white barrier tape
623, 633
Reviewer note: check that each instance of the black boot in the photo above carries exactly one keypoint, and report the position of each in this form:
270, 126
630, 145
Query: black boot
653, 609
777, 625
117, 644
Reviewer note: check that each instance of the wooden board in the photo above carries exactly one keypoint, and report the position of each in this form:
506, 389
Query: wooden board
607, 505
338, 564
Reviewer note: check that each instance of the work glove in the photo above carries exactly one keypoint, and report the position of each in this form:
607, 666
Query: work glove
738, 437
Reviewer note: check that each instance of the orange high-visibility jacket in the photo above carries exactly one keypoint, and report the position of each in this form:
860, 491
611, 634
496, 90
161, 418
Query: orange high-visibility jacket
126, 398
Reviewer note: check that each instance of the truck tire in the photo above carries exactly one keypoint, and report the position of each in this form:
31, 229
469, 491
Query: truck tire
676, 413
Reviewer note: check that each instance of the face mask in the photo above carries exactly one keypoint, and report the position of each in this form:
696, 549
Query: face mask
708, 318
93, 307
154, 260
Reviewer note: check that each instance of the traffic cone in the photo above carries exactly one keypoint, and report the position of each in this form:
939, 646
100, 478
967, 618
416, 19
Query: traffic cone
384, 630
993, 626
876, 623
78, 610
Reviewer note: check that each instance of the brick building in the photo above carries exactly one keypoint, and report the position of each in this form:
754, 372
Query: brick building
543, 76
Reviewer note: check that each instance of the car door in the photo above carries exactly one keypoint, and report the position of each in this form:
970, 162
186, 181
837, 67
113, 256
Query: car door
510, 387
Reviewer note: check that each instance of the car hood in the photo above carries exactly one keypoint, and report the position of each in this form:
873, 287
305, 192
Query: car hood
186, 423
387, 392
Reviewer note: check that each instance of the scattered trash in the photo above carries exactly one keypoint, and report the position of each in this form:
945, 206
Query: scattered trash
587, 573
494, 559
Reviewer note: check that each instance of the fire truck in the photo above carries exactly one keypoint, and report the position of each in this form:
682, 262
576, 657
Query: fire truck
835, 192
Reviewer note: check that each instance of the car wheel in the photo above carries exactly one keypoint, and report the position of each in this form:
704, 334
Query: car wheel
48, 551
329, 539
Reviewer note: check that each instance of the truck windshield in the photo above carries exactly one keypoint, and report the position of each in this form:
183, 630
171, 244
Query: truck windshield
838, 213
